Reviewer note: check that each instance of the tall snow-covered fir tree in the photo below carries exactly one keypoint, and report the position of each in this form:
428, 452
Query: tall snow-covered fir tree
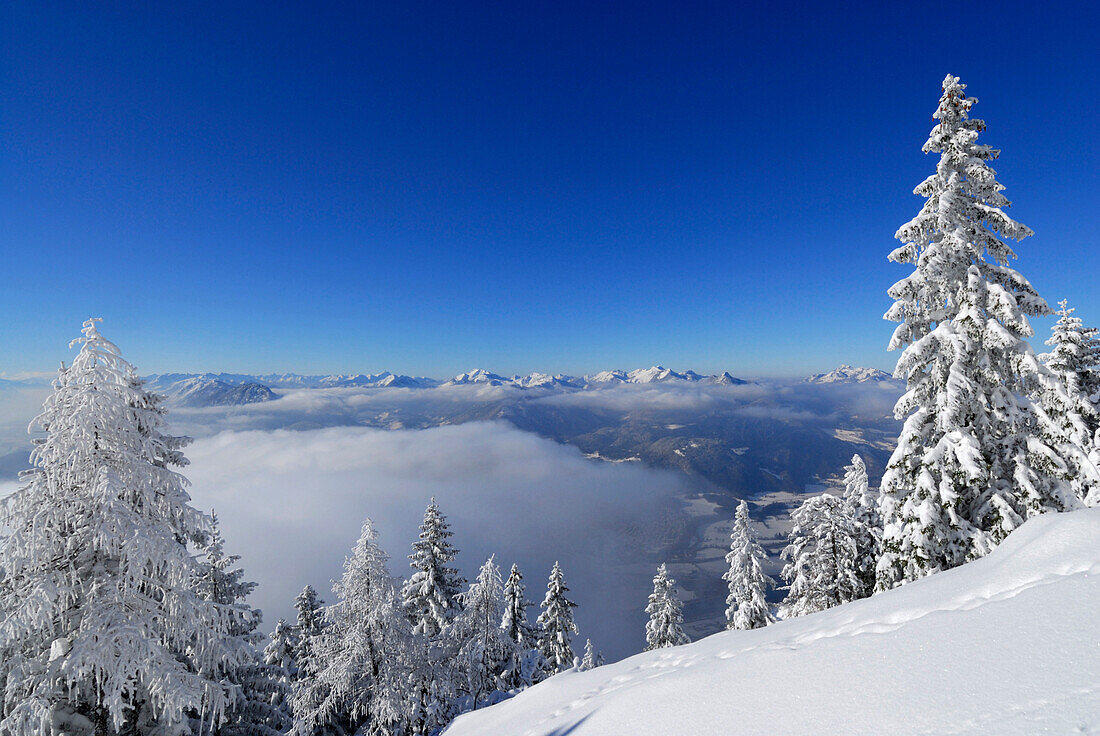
358, 685
310, 622
431, 594
1075, 360
527, 666
863, 506
821, 557
431, 599
747, 607
103, 631
486, 652
556, 625
259, 709
975, 457
666, 613
514, 621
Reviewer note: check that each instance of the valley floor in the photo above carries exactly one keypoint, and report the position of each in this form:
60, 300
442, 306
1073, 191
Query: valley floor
1009, 644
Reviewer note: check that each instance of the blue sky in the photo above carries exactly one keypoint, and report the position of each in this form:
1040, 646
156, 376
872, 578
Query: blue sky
432, 187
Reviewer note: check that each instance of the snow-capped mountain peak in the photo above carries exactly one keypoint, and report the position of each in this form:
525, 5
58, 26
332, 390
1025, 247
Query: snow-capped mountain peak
545, 380
206, 390
850, 374
477, 376
725, 379
609, 377
652, 375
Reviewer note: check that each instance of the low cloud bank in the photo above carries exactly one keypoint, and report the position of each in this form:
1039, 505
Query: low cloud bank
779, 399
291, 503
292, 479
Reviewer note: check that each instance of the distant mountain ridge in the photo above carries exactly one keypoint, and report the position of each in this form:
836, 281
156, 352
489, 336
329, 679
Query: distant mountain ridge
198, 392
162, 381
655, 374
225, 389
850, 374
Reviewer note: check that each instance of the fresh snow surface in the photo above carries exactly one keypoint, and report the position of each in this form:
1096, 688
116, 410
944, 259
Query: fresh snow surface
1008, 644
850, 374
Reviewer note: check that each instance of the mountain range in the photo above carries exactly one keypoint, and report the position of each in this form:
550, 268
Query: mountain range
223, 389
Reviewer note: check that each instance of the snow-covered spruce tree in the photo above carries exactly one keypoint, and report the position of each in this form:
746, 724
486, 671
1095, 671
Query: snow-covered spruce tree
1074, 358
666, 613
821, 554
514, 621
486, 652
431, 599
556, 624
280, 647
311, 620
103, 631
975, 456
358, 686
527, 666
259, 709
747, 607
588, 661
863, 506
431, 594
279, 653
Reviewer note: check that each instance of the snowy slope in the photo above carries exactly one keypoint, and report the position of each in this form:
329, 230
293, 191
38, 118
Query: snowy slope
1009, 644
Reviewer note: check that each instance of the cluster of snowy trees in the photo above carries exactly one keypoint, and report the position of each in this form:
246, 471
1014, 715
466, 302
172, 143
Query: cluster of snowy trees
406, 657
993, 434
123, 614
833, 548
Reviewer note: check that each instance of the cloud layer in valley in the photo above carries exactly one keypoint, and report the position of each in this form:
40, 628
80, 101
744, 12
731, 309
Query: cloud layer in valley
291, 503
293, 478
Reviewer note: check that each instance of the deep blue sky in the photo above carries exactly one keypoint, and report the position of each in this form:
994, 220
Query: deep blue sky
432, 187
